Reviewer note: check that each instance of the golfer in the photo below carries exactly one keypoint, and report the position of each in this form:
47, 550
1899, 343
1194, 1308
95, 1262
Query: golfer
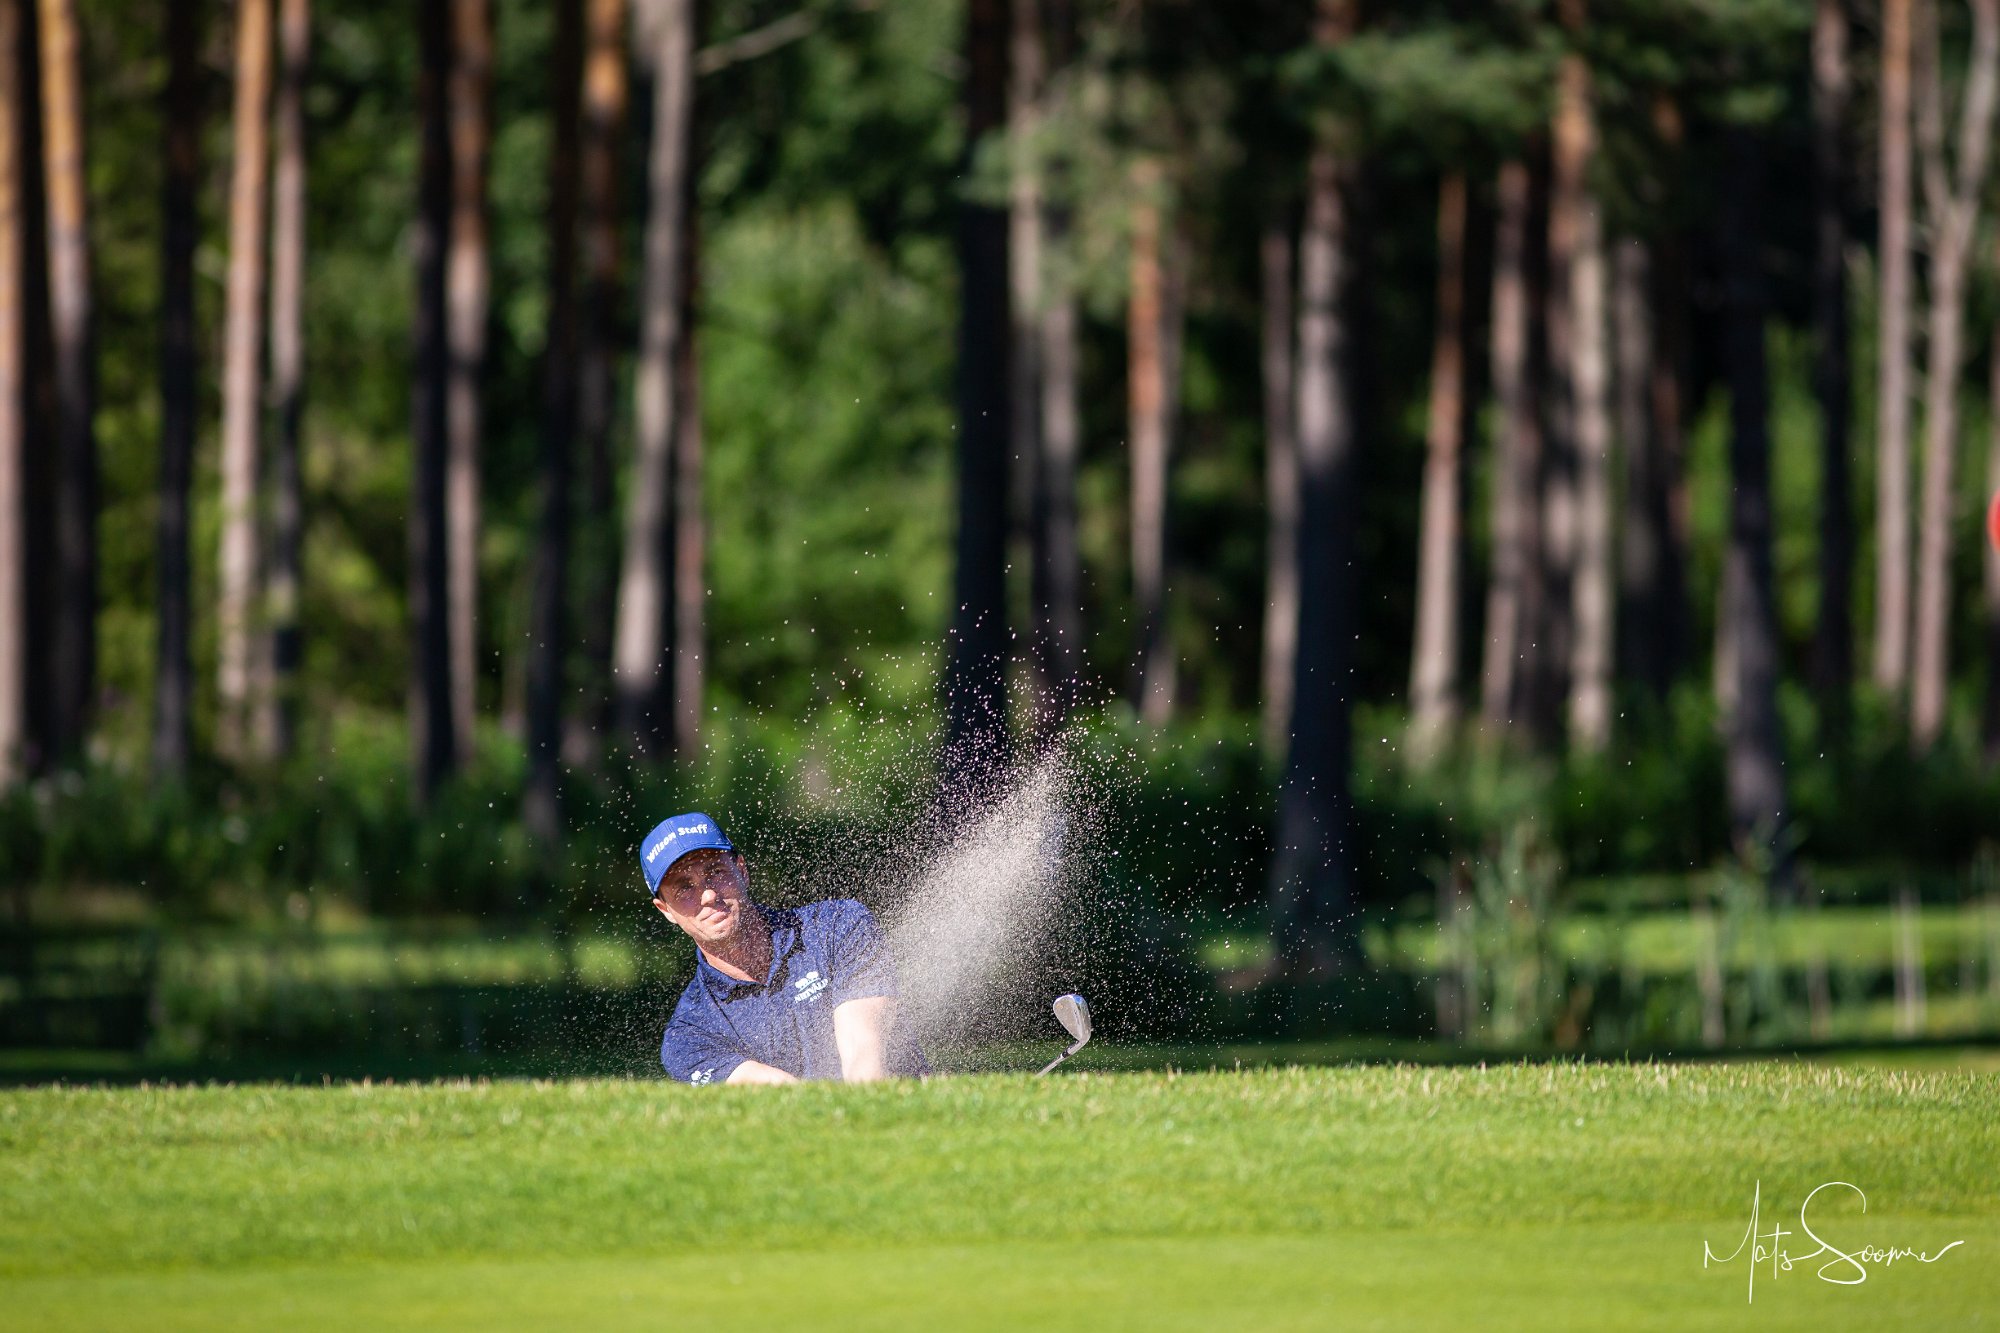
778, 995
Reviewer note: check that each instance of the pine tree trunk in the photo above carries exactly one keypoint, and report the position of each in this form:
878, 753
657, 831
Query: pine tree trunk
1152, 333
431, 708
74, 655
1638, 535
1281, 481
39, 478
1058, 593
1643, 525
1312, 875
1833, 633
1989, 722
1667, 374
1056, 629
1554, 378
1027, 221
1929, 666
975, 696
1434, 656
238, 610
642, 683
466, 283
1756, 773
690, 520
180, 114
467, 297
1516, 521
14, 278
279, 711
1723, 659
1892, 393
548, 629
1723, 663
1057, 633
1952, 190
605, 91
1588, 392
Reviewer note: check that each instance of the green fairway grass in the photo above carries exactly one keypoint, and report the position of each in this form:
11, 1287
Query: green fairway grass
1543, 1196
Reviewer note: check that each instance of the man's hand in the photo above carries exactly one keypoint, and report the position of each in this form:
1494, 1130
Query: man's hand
861, 1031
750, 1071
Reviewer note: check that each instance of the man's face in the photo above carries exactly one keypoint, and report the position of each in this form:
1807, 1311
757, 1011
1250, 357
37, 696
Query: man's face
706, 894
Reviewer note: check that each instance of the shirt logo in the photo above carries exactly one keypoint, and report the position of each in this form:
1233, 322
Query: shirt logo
701, 1076
808, 987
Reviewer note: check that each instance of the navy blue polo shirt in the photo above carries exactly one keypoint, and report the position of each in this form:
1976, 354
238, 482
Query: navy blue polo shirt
822, 955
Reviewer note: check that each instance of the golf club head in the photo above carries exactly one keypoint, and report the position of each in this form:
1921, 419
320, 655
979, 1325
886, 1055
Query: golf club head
1073, 1012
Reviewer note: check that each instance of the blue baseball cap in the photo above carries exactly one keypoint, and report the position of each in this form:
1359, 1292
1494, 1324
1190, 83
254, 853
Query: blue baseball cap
674, 838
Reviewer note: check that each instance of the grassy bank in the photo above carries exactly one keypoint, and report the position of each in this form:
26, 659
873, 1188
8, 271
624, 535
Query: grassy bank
1559, 1196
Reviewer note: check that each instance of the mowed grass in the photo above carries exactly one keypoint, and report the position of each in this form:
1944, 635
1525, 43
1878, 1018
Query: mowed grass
1525, 1196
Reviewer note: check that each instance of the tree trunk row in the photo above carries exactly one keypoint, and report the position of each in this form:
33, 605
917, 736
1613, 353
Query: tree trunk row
1562, 615
261, 531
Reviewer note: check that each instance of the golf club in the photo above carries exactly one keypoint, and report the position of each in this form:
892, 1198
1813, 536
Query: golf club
1073, 1012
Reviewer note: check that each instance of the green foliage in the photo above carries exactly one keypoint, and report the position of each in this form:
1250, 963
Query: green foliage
1454, 87
1504, 945
831, 497
1188, 809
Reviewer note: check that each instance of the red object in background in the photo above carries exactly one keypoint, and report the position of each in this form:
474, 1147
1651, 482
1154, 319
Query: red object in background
1993, 521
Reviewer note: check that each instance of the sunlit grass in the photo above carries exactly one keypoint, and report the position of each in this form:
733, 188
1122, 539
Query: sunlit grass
1131, 1198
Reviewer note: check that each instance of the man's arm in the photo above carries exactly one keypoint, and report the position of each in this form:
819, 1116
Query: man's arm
692, 1052
751, 1071
861, 1031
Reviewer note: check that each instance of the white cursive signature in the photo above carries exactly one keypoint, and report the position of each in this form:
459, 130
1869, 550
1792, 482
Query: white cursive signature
1848, 1268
